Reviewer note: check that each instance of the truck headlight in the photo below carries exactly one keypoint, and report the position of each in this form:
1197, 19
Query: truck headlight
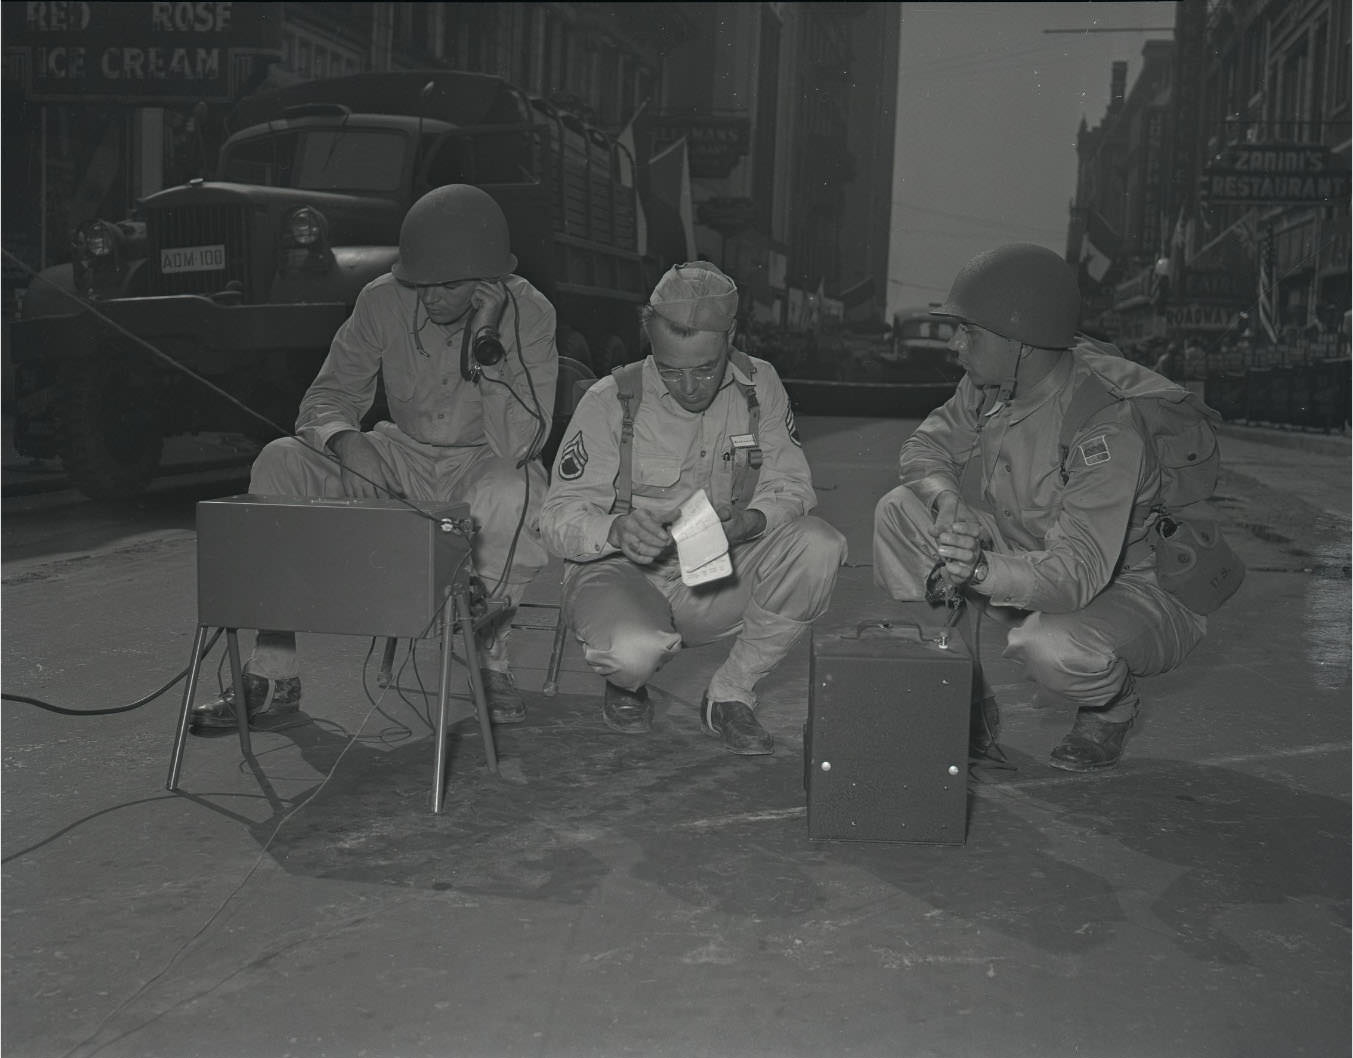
304, 243
97, 256
304, 227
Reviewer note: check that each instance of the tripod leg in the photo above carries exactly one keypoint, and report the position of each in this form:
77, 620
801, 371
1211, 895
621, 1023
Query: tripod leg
195, 666
551, 685
443, 690
462, 603
241, 705
383, 677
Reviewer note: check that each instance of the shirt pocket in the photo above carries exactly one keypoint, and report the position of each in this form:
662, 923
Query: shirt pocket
655, 476
400, 382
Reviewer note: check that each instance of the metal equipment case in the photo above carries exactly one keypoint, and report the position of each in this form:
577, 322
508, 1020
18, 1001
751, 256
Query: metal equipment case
344, 566
886, 742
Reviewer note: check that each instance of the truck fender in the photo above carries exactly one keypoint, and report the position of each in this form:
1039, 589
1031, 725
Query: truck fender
352, 268
44, 295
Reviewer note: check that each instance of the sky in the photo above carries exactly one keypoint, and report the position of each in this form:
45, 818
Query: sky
988, 109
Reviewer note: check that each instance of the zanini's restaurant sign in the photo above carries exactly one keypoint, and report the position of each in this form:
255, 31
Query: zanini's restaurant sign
151, 53
1274, 174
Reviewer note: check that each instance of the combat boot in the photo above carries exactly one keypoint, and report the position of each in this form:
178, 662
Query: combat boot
272, 704
1092, 743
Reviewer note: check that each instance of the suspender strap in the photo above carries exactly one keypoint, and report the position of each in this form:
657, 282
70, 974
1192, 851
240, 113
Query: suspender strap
747, 461
629, 388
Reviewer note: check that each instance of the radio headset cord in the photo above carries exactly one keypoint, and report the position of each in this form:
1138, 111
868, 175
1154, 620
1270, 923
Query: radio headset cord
463, 526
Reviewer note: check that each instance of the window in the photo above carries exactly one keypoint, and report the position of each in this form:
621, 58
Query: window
328, 160
265, 161
349, 160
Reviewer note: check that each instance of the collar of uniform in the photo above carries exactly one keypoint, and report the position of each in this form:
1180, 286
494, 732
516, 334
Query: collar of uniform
1029, 401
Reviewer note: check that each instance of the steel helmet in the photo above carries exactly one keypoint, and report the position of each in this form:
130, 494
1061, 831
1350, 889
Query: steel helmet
454, 232
1021, 291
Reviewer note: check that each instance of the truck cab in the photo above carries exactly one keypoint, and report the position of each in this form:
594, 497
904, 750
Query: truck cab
213, 305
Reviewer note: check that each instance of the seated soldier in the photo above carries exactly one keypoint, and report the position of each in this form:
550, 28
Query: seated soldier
697, 414
458, 430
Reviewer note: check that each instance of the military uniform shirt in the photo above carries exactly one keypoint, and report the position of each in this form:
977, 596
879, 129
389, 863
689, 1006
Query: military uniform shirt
428, 398
675, 453
1062, 543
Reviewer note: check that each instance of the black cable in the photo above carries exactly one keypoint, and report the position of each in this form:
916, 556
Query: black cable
24, 699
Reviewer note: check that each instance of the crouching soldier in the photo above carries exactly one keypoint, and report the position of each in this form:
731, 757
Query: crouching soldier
1016, 495
694, 414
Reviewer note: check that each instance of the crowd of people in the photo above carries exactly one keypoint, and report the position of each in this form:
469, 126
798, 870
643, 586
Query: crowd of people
1199, 357
1056, 547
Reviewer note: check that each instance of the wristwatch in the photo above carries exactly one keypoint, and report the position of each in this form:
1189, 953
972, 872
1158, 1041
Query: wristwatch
979, 571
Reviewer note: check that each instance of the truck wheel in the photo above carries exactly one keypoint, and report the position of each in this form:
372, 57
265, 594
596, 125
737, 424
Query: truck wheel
111, 444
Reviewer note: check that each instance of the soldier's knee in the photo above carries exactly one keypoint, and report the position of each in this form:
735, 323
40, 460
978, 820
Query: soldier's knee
634, 655
499, 495
822, 546
278, 469
1048, 646
896, 513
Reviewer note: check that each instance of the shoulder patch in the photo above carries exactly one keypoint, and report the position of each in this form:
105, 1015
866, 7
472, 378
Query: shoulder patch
791, 426
573, 458
1095, 450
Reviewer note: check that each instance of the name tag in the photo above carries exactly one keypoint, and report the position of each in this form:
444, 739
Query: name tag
742, 440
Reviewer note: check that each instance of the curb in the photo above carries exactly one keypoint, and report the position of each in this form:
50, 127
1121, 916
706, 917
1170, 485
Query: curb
1336, 445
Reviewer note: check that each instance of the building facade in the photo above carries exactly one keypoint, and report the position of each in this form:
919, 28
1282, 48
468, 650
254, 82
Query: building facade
1247, 253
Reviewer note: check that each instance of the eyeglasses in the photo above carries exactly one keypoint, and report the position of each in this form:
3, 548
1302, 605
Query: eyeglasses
703, 373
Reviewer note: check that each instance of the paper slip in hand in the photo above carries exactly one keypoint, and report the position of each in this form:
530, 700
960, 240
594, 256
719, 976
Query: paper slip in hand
702, 547
718, 569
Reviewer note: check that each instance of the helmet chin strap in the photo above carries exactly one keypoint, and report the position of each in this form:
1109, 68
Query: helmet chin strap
1006, 393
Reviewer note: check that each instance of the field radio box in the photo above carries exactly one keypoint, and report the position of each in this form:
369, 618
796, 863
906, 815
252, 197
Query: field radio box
886, 742
340, 566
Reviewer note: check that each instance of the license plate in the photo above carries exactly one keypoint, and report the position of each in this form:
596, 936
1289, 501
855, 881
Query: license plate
192, 259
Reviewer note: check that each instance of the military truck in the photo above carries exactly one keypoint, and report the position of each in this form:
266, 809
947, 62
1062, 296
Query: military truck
244, 278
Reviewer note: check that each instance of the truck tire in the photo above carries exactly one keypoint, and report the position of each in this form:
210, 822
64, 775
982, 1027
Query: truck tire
111, 443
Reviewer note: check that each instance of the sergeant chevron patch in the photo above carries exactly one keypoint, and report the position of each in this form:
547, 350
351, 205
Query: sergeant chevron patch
792, 427
573, 459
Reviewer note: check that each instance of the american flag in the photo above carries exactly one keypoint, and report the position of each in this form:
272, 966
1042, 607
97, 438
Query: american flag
1268, 290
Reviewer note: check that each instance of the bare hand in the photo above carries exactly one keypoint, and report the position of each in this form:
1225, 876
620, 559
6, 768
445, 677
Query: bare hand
642, 535
488, 299
741, 523
363, 472
958, 534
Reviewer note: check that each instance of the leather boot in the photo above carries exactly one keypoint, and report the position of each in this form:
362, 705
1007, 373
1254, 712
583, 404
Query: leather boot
1092, 743
737, 726
629, 712
273, 705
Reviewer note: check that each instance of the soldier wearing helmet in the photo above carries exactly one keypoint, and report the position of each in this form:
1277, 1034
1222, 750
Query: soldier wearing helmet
696, 414
1050, 543
458, 428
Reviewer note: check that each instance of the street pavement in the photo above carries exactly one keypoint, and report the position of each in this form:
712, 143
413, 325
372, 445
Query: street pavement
609, 895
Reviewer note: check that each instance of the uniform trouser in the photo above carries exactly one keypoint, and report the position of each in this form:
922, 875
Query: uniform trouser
631, 619
494, 488
1088, 656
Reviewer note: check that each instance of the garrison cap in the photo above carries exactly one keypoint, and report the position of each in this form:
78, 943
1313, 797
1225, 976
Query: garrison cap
696, 295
